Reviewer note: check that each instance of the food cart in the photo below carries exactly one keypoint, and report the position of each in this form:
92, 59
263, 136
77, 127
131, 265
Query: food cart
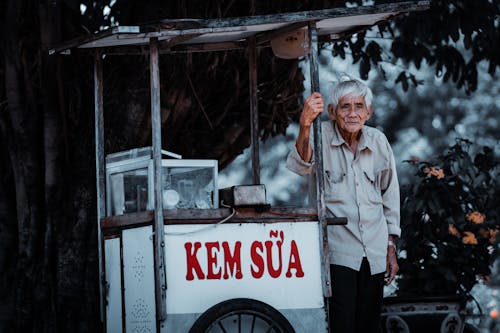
173, 256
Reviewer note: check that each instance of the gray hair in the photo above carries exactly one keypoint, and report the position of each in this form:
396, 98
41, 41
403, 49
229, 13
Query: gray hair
349, 86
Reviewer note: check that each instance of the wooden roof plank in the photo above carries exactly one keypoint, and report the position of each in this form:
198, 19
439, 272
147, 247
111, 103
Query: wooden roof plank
233, 30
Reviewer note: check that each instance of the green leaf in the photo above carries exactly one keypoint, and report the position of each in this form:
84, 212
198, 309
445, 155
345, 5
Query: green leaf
364, 68
403, 79
398, 47
373, 50
339, 49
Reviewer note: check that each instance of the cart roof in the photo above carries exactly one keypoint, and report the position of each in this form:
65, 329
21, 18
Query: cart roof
191, 35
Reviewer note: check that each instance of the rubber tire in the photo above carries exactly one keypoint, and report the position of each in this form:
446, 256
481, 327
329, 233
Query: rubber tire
468, 328
240, 306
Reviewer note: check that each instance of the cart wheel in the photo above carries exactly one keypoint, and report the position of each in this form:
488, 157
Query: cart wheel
469, 328
241, 315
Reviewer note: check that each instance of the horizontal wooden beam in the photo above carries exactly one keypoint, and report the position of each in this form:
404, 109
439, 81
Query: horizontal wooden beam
212, 216
314, 15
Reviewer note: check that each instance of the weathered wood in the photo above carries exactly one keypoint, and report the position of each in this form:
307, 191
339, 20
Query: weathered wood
318, 157
177, 28
162, 32
212, 47
166, 48
159, 237
336, 220
254, 109
127, 219
314, 15
176, 40
204, 216
99, 167
265, 37
113, 225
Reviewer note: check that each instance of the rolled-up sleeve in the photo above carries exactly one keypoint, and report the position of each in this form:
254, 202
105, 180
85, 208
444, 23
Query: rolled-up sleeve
295, 163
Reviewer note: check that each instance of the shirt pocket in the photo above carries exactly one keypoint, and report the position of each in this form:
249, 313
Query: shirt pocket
372, 187
383, 178
336, 186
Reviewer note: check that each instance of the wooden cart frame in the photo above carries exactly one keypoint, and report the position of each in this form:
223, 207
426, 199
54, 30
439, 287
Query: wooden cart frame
251, 33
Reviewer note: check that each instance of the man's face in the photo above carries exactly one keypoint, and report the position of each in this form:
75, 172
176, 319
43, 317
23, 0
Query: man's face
351, 113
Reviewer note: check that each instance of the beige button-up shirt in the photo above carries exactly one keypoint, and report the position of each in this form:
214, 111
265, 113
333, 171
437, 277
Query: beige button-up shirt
362, 187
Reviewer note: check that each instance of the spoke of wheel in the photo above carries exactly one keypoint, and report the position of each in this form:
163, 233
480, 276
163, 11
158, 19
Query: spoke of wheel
270, 329
222, 327
253, 323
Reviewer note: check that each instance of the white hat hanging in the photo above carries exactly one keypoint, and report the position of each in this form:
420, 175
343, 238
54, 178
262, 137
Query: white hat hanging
291, 45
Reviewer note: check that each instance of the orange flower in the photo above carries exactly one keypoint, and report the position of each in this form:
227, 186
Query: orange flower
469, 238
485, 233
485, 278
453, 231
490, 234
494, 314
475, 217
436, 172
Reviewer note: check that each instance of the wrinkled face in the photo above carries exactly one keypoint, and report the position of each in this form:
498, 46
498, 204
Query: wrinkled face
351, 113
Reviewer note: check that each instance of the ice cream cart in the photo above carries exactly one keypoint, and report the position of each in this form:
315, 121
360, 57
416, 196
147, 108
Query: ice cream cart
177, 254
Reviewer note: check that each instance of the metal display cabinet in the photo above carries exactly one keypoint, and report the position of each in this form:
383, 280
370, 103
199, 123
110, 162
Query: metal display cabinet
176, 270
186, 183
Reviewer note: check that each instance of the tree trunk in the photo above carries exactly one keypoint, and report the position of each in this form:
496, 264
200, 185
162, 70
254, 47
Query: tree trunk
23, 133
54, 277
8, 238
48, 242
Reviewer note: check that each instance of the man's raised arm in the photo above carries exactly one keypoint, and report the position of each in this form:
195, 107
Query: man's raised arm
313, 106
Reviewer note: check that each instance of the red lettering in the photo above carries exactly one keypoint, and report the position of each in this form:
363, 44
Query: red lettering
269, 245
274, 233
257, 260
273, 272
294, 262
232, 263
212, 261
192, 261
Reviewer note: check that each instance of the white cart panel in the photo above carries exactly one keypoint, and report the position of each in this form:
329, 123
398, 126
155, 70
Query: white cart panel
113, 285
138, 270
276, 263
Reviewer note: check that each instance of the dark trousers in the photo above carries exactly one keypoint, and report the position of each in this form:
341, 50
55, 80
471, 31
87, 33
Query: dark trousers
356, 300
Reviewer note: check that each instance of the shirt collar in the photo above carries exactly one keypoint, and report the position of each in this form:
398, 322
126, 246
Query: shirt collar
364, 140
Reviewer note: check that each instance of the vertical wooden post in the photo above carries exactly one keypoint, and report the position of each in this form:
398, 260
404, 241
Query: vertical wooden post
254, 108
318, 157
99, 168
158, 228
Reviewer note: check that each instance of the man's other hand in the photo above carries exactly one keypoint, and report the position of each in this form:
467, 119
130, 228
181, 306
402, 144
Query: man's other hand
392, 265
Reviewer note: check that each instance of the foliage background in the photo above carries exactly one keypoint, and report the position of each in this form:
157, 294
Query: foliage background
450, 221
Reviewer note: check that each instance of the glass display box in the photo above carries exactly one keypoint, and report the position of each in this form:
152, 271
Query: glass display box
186, 183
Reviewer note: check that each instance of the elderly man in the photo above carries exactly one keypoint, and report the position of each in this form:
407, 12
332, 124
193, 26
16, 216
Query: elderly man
360, 184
